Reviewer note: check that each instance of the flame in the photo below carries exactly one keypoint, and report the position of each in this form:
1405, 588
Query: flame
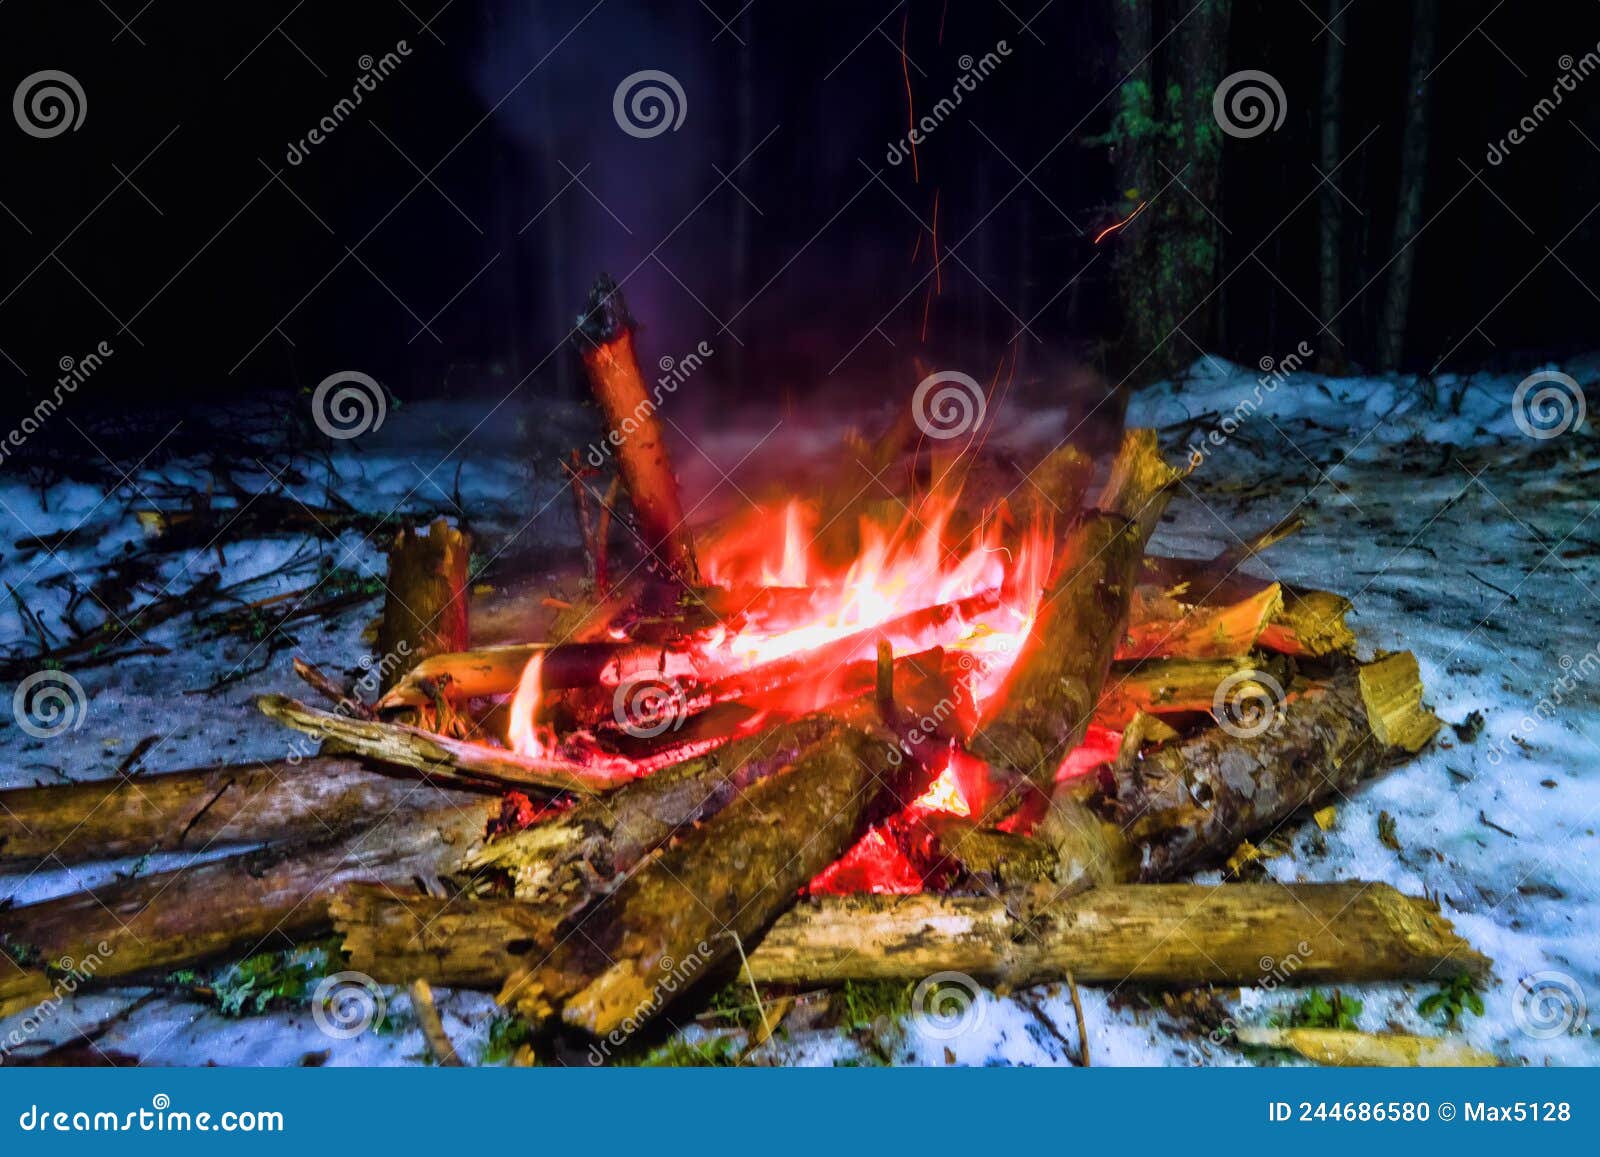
932, 578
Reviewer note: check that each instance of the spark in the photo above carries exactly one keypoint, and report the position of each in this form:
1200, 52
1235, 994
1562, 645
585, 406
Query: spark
1100, 236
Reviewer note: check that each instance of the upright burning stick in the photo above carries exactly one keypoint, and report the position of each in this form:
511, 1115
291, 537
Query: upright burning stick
632, 432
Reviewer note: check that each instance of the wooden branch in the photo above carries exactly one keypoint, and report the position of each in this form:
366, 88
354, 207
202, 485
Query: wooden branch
446, 761
193, 810
425, 608
427, 1013
1179, 934
236, 905
633, 432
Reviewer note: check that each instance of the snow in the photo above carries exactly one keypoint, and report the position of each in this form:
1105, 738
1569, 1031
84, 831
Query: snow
1458, 536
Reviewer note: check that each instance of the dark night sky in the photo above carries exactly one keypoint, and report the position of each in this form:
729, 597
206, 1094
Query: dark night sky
443, 235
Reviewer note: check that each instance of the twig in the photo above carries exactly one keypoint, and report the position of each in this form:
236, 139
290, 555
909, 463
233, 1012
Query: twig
1083, 1027
1501, 590
439, 1044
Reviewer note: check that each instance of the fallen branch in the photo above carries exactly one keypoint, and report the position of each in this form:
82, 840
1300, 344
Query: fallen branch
444, 760
192, 810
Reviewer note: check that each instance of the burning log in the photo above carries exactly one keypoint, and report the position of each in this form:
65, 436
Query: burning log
739, 870
192, 810
1177, 934
1051, 692
448, 761
170, 919
1157, 813
633, 432
425, 608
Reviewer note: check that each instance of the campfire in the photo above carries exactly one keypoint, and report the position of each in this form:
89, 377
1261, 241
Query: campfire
944, 714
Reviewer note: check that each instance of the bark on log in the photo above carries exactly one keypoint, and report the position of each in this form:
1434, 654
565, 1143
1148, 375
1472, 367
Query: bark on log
1172, 934
238, 905
425, 607
633, 433
1141, 482
193, 810
447, 761
1175, 934
683, 913
1156, 814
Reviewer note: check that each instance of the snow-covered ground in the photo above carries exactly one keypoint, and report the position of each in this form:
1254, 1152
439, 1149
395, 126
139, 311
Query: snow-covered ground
1458, 534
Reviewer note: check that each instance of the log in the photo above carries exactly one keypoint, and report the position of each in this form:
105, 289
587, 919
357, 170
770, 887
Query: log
1179, 686
1161, 627
633, 433
454, 762
1141, 482
1174, 934
242, 904
1309, 623
1160, 812
192, 810
1164, 934
684, 913
1049, 696
1350, 1048
425, 607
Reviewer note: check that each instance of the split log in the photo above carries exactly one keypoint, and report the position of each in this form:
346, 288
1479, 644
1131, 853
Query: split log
192, 810
1162, 627
1141, 482
425, 608
239, 905
1179, 686
633, 433
1166, 934
1157, 813
1176, 934
1309, 622
447, 761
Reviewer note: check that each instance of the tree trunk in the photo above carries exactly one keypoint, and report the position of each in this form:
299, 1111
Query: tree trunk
1331, 209
1413, 171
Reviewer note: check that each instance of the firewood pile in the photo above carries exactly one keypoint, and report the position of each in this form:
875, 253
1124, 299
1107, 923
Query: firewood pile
945, 714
